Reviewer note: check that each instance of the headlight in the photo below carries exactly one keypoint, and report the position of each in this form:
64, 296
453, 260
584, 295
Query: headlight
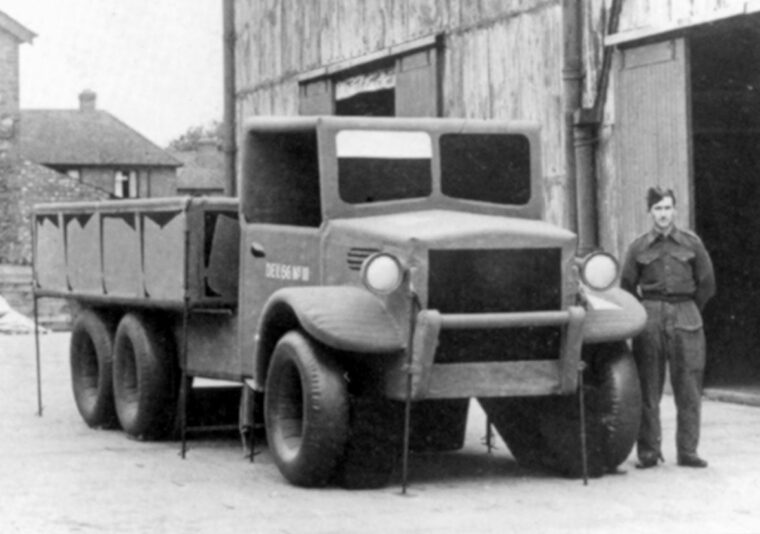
599, 270
382, 273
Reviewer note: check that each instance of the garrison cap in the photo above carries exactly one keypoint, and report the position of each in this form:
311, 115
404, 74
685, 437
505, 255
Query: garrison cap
657, 193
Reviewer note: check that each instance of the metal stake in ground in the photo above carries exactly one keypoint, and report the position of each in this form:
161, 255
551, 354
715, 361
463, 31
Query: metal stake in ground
582, 407
37, 355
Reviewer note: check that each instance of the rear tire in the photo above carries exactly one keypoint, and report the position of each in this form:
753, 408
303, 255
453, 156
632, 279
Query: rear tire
306, 411
91, 360
146, 385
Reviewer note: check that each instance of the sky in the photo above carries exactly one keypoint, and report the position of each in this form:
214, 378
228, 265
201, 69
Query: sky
154, 64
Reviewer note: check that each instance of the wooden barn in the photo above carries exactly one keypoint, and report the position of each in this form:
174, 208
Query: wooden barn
629, 93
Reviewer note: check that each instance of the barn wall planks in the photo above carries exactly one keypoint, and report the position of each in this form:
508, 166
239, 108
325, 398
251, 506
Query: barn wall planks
511, 69
501, 59
639, 14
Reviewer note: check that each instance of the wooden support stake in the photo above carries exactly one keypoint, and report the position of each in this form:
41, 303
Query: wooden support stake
183, 393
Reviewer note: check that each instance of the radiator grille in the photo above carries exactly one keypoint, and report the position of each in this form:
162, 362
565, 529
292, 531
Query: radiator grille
490, 281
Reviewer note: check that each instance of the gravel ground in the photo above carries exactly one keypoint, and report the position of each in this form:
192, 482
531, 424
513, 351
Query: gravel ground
57, 475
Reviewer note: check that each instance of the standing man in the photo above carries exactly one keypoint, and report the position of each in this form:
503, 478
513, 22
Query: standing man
670, 271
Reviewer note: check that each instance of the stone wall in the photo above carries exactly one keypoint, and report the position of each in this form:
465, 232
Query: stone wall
23, 185
9, 106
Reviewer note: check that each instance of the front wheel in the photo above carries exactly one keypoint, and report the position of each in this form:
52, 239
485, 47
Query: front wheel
374, 442
306, 411
545, 431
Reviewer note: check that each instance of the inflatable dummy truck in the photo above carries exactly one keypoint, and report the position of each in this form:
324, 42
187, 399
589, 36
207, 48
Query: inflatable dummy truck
374, 276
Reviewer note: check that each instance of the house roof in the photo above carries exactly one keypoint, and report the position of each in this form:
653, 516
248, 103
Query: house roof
16, 29
86, 137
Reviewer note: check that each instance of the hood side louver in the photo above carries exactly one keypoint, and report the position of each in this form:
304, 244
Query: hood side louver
357, 255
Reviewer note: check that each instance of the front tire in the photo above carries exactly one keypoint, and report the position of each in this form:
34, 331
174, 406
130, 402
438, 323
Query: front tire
439, 425
91, 360
306, 410
374, 442
545, 431
146, 385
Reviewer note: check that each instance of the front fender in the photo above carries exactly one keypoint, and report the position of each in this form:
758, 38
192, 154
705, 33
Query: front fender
612, 315
342, 317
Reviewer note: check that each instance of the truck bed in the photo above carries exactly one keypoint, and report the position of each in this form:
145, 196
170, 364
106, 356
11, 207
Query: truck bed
151, 252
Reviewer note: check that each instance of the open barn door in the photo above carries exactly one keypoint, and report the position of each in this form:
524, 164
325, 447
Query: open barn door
725, 66
653, 131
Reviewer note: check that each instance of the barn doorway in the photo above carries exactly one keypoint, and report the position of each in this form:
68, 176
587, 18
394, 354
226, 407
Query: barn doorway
369, 94
725, 91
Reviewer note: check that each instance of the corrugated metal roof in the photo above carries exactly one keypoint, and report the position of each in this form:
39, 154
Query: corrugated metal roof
85, 138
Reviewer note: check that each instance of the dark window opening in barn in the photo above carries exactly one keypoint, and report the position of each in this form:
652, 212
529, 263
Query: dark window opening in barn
372, 94
725, 87
404, 84
486, 168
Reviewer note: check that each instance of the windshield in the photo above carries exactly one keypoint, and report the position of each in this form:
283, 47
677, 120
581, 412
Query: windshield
486, 167
382, 165
376, 165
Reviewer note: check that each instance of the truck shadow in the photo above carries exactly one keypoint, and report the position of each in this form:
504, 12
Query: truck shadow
467, 464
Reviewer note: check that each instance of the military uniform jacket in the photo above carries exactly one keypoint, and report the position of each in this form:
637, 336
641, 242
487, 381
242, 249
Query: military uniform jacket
673, 267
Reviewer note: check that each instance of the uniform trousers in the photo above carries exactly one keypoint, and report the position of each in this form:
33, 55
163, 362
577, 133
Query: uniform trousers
673, 334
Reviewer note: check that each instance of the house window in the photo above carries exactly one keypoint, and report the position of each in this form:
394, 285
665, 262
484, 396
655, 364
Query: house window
125, 184
402, 81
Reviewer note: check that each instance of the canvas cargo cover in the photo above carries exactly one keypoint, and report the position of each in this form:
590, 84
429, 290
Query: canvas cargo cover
152, 252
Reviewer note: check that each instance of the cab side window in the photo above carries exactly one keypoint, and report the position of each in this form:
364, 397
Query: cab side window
281, 182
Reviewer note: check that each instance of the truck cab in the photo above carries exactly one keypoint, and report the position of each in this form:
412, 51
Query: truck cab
414, 251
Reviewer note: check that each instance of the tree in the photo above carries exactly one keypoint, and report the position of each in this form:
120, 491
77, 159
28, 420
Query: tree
190, 140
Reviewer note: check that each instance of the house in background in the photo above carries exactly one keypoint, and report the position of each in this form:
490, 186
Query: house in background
97, 149
22, 183
202, 171
12, 35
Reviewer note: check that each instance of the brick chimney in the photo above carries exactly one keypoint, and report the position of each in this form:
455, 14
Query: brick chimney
87, 100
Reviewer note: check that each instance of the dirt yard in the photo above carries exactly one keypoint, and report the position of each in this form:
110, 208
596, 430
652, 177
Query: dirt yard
58, 476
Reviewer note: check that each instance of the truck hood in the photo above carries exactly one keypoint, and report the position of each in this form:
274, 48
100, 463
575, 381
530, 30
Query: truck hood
446, 229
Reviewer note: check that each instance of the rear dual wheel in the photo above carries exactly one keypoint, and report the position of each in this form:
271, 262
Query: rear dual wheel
145, 378
123, 376
91, 361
